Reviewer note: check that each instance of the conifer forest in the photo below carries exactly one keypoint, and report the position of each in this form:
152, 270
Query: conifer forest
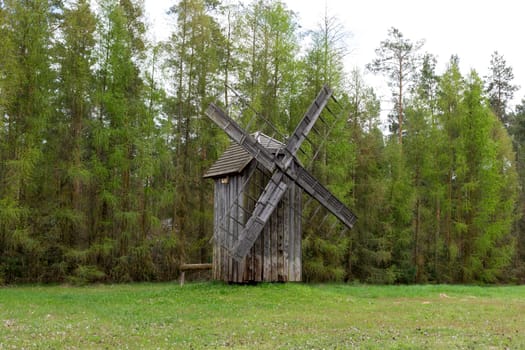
104, 142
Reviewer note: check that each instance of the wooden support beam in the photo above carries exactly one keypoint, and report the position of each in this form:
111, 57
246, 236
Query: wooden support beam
306, 124
236, 133
264, 208
188, 267
191, 267
315, 189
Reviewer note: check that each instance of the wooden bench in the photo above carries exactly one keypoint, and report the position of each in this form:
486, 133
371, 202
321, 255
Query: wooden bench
192, 267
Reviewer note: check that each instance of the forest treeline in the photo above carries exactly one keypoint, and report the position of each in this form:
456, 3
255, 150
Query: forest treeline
104, 143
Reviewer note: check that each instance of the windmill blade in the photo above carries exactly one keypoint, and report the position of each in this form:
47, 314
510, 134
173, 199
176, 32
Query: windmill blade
275, 189
266, 204
236, 133
306, 124
259, 152
315, 189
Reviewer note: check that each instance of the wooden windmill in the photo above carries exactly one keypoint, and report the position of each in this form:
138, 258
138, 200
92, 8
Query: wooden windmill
259, 239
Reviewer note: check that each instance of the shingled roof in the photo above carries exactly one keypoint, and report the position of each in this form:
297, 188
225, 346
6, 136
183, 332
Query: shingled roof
235, 158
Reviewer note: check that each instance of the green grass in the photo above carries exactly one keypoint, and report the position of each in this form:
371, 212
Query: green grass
268, 316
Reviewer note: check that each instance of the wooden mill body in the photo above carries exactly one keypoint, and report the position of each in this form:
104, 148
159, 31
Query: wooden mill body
276, 254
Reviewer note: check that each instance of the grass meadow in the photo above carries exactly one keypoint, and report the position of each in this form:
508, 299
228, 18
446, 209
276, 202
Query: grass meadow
267, 316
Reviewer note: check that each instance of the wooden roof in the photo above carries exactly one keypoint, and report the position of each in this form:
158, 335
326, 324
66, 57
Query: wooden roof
235, 158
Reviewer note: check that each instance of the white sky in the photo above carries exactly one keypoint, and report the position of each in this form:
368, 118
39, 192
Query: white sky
471, 29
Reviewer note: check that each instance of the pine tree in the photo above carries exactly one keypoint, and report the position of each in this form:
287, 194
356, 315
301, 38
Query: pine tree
450, 90
27, 87
330, 154
122, 135
267, 61
480, 177
517, 130
397, 59
69, 146
420, 145
499, 86
370, 245
489, 190
194, 57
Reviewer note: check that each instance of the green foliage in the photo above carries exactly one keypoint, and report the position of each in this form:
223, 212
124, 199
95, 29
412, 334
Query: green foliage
517, 130
86, 274
322, 259
104, 141
136, 266
267, 72
397, 58
499, 87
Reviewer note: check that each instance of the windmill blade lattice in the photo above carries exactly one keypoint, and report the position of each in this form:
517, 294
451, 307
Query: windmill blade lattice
283, 166
276, 187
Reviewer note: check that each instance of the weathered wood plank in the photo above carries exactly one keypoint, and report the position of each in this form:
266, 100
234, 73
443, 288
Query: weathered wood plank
192, 267
291, 233
315, 189
267, 255
239, 215
258, 265
256, 249
215, 253
236, 133
286, 230
297, 255
268, 201
273, 248
306, 124
231, 224
273, 256
280, 237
